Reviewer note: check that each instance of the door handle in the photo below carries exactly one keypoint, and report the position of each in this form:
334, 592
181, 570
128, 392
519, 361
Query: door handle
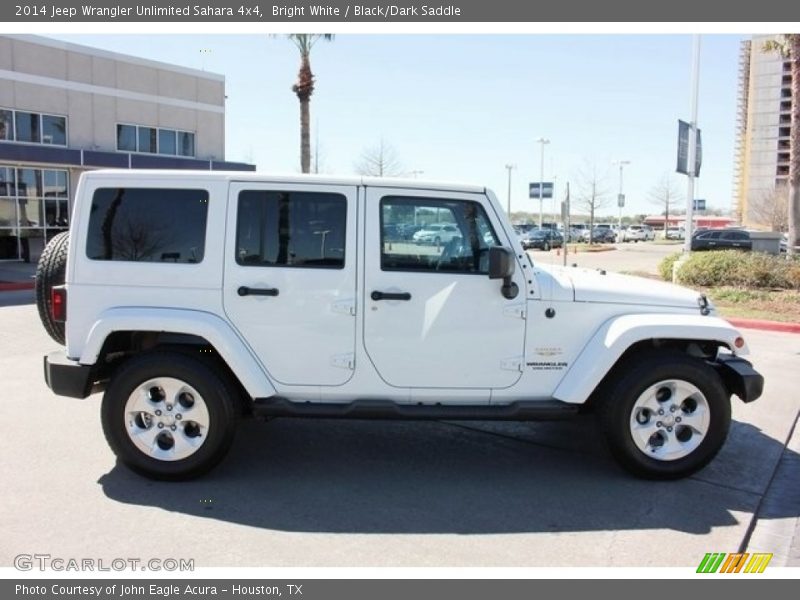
376, 295
248, 291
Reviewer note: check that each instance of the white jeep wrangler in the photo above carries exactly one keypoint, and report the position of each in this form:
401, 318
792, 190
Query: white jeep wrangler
193, 298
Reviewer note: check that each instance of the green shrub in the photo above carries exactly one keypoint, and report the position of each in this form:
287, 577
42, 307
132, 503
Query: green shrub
665, 266
738, 269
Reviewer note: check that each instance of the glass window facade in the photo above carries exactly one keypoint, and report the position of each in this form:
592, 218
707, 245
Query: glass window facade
32, 128
34, 206
155, 140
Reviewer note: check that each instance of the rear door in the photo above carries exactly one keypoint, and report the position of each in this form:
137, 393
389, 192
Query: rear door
433, 318
290, 278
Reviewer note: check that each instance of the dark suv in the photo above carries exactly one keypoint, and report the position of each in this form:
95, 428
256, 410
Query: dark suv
722, 239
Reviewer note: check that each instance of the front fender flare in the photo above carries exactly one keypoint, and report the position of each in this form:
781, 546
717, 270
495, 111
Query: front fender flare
206, 325
616, 335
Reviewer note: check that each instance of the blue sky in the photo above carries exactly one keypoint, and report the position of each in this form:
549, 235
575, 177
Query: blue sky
460, 107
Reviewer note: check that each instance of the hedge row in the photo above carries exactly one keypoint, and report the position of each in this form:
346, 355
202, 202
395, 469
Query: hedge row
734, 268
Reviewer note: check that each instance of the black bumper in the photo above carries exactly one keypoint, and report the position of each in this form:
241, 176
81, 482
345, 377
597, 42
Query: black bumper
67, 377
740, 377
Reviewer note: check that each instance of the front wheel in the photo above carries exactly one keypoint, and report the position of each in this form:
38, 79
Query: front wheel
167, 415
666, 416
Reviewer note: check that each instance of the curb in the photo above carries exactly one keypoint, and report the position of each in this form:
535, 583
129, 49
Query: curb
765, 325
16, 286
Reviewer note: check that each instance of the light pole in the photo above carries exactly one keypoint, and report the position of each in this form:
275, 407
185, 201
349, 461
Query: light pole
691, 161
541, 141
620, 197
510, 168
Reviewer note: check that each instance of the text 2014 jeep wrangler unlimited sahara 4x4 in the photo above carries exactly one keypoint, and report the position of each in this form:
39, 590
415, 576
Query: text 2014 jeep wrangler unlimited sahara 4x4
194, 298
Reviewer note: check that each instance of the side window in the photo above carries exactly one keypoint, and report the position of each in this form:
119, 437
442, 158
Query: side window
291, 229
735, 235
435, 235
148, 225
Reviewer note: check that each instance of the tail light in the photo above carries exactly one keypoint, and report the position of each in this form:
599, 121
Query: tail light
58, 304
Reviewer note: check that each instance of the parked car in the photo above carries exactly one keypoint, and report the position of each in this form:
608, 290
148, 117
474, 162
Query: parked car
636, 233
436, 234
601, 235
722, 239
675, 233
544, 239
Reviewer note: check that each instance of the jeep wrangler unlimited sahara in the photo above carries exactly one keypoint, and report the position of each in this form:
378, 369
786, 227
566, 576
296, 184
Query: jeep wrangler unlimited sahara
193, 298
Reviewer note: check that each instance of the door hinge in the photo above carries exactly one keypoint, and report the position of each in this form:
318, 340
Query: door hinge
344, 361
518, 311
512, 364
345, 307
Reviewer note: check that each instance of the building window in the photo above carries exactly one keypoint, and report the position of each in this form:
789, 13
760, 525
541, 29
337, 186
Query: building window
147, 140
54, 130
33, 208
185, 143
126, 138
152, 140
27, 127
32, 128
166, 142
148, 225
6, 125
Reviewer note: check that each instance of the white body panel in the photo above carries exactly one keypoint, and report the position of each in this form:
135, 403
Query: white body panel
455, 331
303, 335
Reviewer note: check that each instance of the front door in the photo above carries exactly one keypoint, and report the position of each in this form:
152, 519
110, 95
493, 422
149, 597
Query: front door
433, 318
290, 278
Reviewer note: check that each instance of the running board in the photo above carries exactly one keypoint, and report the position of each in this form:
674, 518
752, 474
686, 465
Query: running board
524, 410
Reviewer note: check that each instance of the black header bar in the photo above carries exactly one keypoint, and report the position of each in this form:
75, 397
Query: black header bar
452, 11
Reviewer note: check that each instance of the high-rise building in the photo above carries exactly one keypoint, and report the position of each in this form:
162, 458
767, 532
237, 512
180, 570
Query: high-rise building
763, 128
66, 108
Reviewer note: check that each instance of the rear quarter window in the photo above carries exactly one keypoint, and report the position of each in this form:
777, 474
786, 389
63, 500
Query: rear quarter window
164, 225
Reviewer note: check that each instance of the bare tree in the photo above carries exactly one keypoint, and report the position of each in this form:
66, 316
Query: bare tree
380, 160
666, 193
771, 208
592, 193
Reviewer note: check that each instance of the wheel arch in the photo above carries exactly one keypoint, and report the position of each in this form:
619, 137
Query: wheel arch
623, 339
121, 331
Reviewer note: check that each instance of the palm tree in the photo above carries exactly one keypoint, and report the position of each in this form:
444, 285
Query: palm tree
788, 45
304, 88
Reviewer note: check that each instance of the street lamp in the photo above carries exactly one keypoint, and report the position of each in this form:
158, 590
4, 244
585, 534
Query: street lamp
621, 197
510, 168
541, 141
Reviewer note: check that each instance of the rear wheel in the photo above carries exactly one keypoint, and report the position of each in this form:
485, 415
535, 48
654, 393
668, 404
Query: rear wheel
666, 416
168, 416
50, 272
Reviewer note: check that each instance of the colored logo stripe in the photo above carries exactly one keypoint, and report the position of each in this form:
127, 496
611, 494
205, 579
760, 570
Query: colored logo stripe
734, 563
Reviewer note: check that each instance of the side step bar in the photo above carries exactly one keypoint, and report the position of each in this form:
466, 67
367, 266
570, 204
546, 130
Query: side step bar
527, 410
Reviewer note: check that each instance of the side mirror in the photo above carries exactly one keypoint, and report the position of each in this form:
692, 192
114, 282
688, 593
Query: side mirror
501, 266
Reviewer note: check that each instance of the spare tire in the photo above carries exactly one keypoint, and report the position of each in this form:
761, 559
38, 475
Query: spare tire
50, 272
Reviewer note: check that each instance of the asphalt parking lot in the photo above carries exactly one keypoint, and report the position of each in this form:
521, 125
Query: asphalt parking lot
333, 493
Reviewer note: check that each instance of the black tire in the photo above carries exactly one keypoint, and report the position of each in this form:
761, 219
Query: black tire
50, 272
632, 382
216, 392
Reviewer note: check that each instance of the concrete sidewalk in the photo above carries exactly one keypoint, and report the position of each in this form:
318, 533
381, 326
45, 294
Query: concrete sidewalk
776, 528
